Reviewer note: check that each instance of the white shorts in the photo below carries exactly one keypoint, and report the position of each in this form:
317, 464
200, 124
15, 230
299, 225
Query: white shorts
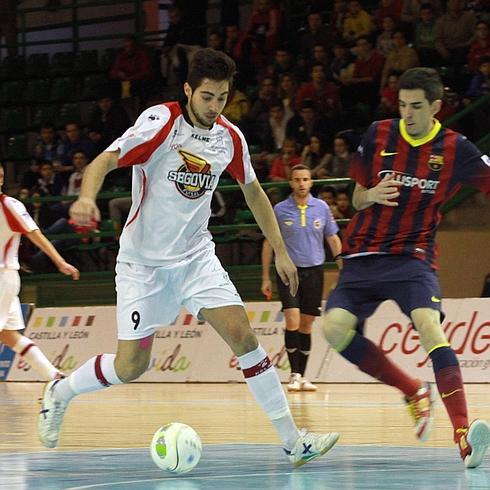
10, 312
149, 297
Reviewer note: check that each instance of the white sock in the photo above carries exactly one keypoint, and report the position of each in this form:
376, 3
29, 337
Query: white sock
263, 382
96, 374
28, 350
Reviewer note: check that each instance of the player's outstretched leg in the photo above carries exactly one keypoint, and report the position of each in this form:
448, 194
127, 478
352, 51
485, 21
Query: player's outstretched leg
232, 324
97, 373
339, 328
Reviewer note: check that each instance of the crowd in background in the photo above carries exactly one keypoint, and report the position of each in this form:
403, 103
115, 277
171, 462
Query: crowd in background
299, 97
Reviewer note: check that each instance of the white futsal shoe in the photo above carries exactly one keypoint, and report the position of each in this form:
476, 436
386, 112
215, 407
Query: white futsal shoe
310, 446
50, 416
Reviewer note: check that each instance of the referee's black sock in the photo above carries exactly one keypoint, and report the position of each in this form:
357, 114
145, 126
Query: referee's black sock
304, 351
291, 340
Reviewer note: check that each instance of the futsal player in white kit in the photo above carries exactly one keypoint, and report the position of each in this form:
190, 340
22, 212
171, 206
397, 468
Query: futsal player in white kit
15, 221
166, 259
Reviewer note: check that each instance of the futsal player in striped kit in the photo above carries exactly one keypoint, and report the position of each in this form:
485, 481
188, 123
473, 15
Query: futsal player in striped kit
14, 222
166, 259
405, 169
306, 223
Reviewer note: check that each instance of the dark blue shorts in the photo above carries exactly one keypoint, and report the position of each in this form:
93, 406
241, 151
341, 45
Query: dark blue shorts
365, 282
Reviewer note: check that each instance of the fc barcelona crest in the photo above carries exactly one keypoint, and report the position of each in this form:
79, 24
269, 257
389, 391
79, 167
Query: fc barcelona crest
435, 162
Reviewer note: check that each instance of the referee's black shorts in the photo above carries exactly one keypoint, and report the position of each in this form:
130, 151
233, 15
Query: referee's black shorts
309, 296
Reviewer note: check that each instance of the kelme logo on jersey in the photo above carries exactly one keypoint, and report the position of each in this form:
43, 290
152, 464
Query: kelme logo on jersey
194, 177
435, 162
427, 186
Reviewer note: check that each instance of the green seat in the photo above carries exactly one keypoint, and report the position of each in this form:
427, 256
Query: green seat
17, 147
68, 113
12, 68
64, 88
244, 216
87, 62
13, 119
12, 92
37, 65
44, 114
38, 90
92, 86
62, 64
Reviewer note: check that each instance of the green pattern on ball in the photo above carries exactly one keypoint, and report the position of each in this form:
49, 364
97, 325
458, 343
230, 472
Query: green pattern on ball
161, 447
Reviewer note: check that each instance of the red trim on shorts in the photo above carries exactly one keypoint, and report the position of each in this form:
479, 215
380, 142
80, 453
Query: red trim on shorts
98, 371
259, 368
26, 349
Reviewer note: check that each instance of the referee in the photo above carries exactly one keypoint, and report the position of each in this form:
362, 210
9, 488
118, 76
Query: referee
304, 222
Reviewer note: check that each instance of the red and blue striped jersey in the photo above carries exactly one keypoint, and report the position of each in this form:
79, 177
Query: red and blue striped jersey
431, 170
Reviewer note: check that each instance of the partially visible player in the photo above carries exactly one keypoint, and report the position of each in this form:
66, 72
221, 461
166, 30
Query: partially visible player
166, 258
306, 223
14, 221
405, 169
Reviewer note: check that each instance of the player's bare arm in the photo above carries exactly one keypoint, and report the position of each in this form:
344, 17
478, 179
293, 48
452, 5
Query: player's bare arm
262, 210
335, 246
267, 254
38, 239
84, 209
382, 193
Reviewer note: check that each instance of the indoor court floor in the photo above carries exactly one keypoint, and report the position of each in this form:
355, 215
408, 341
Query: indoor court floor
105, 437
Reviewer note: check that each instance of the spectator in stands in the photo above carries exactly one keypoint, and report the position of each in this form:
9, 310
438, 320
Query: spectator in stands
313, 154
264, 25
307, 123
387, 8
425, 37
357, 23
401, 58
80, 162
328, 194
283, 62
288, 159
8, 25
336, 164
216, 40
132, 70
179, 44
237, 106
384, 41
233, 38
362, 84
75, 140
271, 128
344, 205
480, 47
109, 119
321, 91
267, 92
32, 175
337, 18
286, 91
342, 58
388, 106
50, 183
320, 55
454, 33
49, 145
411, 9
40, 212
480, 83
316, 32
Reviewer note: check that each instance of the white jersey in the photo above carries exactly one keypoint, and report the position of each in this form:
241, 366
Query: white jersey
14, 220
176, 169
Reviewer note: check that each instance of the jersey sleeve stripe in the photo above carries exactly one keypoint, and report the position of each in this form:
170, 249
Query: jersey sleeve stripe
142, 153
236, 167
143, 192
13, 219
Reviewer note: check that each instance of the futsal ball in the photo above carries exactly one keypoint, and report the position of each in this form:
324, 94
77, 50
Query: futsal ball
176, 448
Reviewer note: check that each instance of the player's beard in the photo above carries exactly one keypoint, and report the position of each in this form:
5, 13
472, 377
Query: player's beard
199, 119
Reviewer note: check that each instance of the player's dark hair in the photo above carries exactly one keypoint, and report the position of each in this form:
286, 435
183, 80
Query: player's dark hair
211, 64
426, 79
300, 166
